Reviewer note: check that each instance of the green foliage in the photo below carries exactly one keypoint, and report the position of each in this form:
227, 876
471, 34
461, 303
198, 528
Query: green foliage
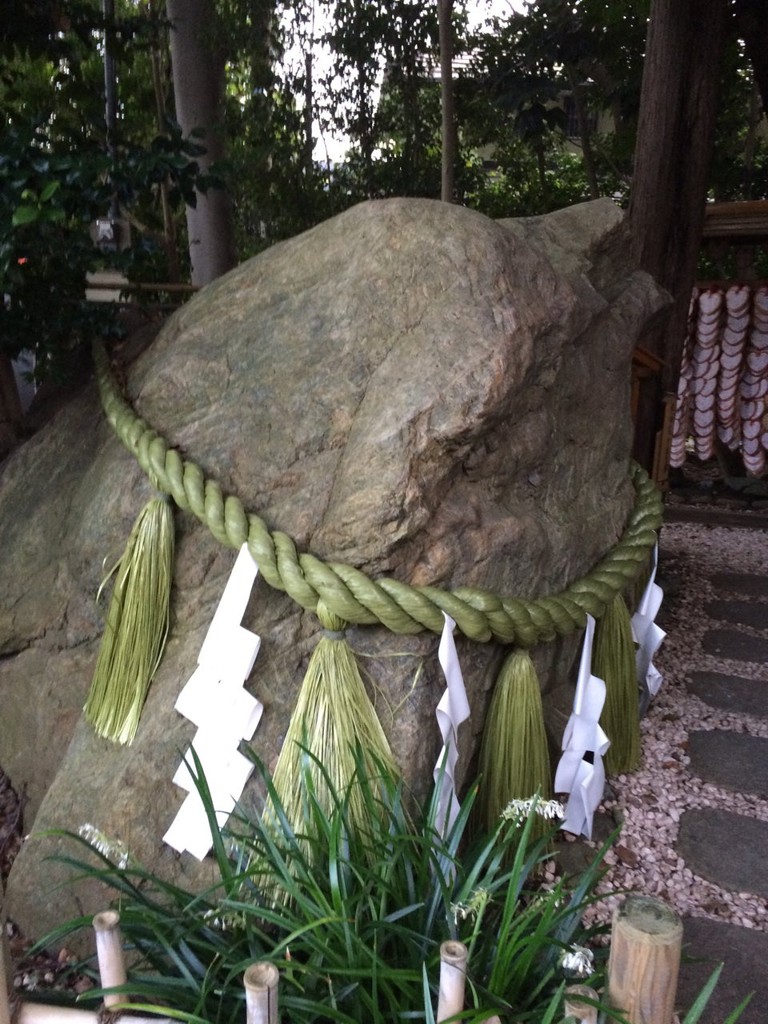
515, 76
50, 194
46, 201
362, 915
740, 159
59, 173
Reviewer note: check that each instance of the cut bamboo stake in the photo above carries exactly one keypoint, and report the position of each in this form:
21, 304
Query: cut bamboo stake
41, 1013
109, 953
260, 981
646, 939
576, 1009
453, 976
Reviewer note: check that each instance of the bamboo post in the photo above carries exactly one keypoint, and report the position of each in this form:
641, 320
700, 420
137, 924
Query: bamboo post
43, 1013
646, 939
109, 953
260, 981
576, 1009
453, 976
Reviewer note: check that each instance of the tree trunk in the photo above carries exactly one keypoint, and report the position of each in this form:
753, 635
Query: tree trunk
678, 106
449, 135
752, 22
582, 116
309, 110
197, 64
169, 225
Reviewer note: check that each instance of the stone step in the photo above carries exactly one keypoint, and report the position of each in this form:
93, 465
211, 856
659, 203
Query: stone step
744, 953
739, 613
746, 584
731, 693
735, 645
731, 760
727, 849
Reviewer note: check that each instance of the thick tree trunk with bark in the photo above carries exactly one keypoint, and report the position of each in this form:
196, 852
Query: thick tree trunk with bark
678, 107
198, 82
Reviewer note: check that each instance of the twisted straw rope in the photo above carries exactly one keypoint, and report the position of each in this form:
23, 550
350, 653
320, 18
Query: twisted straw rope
336, 591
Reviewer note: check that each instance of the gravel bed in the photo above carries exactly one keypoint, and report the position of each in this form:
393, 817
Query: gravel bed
650, 801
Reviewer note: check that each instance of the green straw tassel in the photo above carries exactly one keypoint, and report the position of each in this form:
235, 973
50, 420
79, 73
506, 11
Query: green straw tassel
514, 757
336, 722
136, 627
613, 659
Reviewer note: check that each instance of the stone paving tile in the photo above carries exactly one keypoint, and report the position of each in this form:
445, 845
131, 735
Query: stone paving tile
733, 693
721, 846
740, 613
740, 583
743, 951
725, 848
735, 645
732, 760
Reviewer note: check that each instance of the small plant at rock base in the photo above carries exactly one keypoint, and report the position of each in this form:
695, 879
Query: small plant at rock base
353, 920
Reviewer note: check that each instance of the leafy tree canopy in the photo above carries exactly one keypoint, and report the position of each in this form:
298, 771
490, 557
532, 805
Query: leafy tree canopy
298, 71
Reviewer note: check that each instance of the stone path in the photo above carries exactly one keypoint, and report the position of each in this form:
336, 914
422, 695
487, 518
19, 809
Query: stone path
726, 848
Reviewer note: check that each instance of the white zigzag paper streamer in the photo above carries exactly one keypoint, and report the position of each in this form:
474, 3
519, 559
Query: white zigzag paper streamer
576, 775
215, 700
647, 634
452, 710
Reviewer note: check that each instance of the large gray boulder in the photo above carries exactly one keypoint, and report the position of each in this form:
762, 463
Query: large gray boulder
409, 388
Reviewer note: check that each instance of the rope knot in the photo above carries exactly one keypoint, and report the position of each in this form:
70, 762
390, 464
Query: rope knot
333, 625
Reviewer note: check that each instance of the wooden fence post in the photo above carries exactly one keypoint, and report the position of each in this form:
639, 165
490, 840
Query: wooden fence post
646, 939
109, 953
453, 976
261, 981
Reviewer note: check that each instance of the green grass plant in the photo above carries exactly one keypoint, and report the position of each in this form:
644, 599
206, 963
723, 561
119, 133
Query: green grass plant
356, 934
362, 916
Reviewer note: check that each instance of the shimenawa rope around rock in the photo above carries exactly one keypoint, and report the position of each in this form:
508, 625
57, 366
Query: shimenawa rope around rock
340, 594
347, 592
